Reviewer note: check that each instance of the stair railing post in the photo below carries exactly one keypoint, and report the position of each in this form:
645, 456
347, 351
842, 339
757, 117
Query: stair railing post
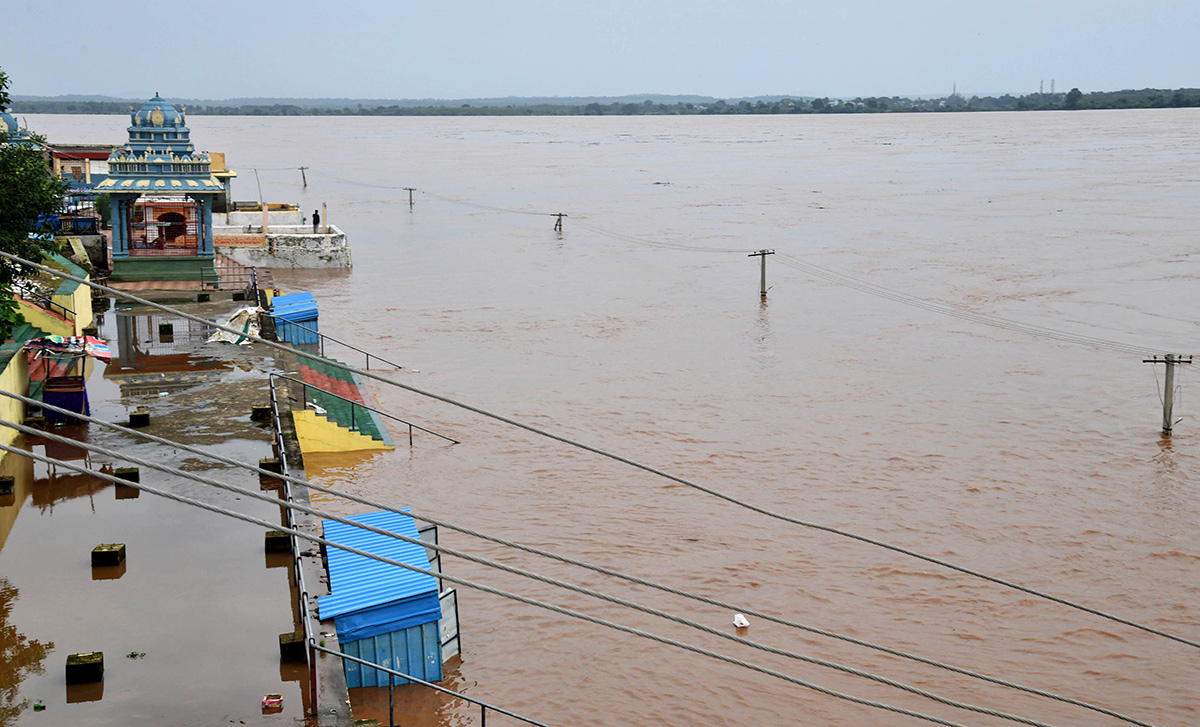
352, 408
391, 700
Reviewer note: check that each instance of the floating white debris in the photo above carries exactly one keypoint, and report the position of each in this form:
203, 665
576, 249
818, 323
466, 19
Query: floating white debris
740, 621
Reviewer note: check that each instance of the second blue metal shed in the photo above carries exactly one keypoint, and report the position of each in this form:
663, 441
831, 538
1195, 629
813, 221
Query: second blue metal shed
384, 614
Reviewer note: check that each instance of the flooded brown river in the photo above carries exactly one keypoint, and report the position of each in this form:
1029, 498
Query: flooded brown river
1027, 458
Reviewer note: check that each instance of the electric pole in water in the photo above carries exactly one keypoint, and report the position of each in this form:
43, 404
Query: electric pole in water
762, 286
303, 178
410, 190
558, 222
1168, 399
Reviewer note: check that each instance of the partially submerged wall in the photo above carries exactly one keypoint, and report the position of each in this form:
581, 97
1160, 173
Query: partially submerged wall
291, 246
14, 378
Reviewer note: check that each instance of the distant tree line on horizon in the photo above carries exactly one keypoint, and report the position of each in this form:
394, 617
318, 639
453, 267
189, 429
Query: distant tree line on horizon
1072, 100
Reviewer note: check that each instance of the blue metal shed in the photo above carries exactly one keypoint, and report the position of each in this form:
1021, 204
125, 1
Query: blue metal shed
384, 614
294, 314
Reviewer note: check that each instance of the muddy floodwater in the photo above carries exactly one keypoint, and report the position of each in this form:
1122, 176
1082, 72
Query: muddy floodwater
640, 330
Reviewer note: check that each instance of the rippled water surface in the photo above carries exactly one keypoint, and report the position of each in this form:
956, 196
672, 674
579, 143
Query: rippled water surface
1032, 459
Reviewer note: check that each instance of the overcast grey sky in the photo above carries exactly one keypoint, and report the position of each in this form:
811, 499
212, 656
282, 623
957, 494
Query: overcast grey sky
467, 48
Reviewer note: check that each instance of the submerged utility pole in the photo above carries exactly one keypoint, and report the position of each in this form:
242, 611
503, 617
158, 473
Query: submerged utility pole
762, 285
1168, 399
558, 222
303, 178
410, 190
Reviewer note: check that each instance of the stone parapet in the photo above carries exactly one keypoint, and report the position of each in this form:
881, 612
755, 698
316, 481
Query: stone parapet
287, 246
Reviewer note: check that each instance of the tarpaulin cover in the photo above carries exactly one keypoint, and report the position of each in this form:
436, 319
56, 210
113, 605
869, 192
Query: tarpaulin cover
58, 345
243, 319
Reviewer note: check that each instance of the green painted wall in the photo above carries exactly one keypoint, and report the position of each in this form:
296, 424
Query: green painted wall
163, 268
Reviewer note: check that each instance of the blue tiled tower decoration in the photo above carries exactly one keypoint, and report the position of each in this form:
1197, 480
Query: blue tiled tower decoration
162, 192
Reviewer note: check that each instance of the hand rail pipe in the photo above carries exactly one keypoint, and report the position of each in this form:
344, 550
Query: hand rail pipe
46, 302
323, 336
297, 566
304, 394
431, 685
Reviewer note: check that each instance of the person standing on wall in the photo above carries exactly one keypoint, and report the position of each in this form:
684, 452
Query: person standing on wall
316, 220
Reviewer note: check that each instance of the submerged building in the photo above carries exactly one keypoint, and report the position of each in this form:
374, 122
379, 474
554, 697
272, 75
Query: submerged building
162, 194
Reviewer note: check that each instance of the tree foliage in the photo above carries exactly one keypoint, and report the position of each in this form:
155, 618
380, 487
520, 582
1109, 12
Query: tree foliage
28, 196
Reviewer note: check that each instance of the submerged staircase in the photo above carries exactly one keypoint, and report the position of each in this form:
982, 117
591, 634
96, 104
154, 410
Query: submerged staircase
21, 333
343, 423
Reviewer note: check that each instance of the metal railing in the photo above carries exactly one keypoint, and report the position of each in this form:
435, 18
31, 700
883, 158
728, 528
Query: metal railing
393, 675
42, 300
305, 386
216, 278
321, 337
310, 655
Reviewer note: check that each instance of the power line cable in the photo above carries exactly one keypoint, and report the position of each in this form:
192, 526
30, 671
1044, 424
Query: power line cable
521, 572
565, 559
825, 274
960, 312
657, 243
482, 587
625, 460
434, 195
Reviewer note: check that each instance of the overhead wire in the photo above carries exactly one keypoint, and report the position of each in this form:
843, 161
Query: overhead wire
956, 311
794, 262
356, 183
625, 460
489, 589
623, 237
600, 569
141, 461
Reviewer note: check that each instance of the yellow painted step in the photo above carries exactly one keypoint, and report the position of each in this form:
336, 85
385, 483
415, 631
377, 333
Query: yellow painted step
318, 434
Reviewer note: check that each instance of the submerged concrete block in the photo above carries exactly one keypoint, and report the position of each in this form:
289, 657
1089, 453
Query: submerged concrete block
271, 464
85, 668
260, 414
278, 542
203, 297
291, 647
132, 474
6, 485
139, 417
108, 554
239, 295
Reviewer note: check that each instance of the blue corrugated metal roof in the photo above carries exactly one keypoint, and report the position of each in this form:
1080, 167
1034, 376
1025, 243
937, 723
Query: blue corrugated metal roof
294, 307
357, 583
291, 298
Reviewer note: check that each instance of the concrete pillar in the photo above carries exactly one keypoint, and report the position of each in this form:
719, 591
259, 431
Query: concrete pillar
206, 231
120, 226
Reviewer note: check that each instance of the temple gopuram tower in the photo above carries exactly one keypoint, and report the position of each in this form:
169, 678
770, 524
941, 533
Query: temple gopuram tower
162, 199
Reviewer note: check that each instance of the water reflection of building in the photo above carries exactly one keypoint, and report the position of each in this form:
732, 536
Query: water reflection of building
151, 360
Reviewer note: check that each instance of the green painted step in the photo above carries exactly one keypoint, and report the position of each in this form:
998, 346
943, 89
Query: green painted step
337, 409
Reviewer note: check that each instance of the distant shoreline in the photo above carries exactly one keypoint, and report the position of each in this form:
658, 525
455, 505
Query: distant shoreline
665, 106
